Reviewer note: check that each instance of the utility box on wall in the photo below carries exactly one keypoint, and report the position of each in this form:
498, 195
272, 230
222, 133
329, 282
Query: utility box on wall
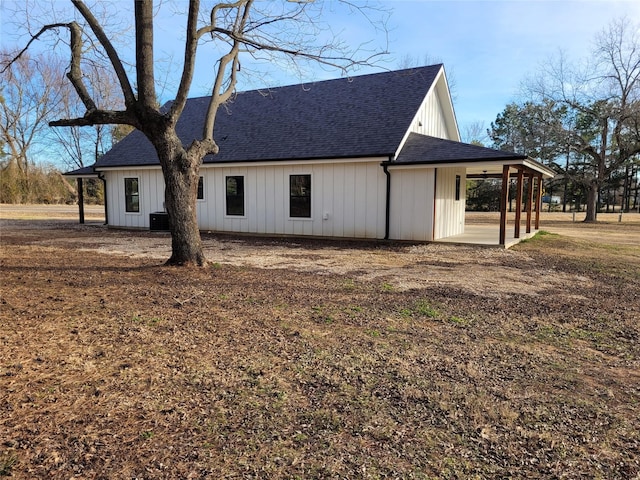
159, 221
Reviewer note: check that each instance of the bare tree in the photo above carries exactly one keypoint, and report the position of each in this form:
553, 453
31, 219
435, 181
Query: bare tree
242, 27
31, 95
82, 146
604, 99
475, 133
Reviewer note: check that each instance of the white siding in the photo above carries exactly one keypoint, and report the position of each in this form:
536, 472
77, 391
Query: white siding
411, 214
435, 117
449, 211
347, 199
151, 190
430, 119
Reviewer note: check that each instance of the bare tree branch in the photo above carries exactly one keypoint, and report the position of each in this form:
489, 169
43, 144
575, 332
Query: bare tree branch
190, 49
145, 68
94, 24
75, 73
219, 96
35, 37
96, 117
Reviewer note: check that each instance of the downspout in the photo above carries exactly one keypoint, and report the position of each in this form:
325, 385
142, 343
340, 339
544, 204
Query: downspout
387, 211
104, 184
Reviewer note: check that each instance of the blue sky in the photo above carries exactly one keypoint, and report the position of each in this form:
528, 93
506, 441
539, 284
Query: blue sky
488, 47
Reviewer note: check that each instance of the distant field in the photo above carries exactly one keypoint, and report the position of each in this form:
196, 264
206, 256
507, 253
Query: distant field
44, 212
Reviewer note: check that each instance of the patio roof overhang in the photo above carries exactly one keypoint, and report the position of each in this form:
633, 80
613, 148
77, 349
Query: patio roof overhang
479, 162
484, 168
84, 172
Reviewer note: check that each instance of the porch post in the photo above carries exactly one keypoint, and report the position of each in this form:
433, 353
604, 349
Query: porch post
529, 200
80, 199
504, 200
539, 202
516, 233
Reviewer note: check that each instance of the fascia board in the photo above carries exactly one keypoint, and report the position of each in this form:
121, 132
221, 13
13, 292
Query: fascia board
532, 164
377, 159
444, 92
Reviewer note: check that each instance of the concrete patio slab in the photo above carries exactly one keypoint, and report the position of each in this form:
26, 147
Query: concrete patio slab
488, 235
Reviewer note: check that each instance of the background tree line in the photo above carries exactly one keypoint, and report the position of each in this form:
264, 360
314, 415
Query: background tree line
33, 155
583, 121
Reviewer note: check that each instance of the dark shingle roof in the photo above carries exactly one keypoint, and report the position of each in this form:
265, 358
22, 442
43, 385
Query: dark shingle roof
360, 116
425, 149
82, 172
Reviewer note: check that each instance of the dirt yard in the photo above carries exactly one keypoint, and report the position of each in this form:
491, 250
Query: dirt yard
290, 358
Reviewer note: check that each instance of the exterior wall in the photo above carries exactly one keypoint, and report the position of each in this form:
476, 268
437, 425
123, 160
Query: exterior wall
430, 119
412, 194
347, 199
449, 211
151, 190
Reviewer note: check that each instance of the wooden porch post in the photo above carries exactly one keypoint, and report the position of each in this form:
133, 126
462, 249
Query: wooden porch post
529, 200
539, 201
516, 233
504, 200
80, 199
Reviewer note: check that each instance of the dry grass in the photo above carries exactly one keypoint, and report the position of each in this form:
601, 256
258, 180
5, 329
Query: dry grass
116, 367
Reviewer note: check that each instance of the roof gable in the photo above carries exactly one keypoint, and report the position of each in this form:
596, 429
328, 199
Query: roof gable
360, 116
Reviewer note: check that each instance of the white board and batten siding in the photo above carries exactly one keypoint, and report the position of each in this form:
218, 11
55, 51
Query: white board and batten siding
435, 116
347, 199
424, 205
151, 196
449, 212
412, 193
430, 119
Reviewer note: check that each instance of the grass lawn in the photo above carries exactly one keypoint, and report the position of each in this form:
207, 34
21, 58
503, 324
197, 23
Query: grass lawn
113, 366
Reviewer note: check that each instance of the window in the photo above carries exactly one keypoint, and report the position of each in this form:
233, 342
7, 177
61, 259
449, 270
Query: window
200, 188
457, 187
235, 195
131, 195
300, 196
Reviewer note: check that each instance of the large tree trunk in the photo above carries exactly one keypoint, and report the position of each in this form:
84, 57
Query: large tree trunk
592, 202
181, 173
180, 200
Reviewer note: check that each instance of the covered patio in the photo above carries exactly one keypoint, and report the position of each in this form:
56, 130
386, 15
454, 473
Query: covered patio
525, 178
485, 232
515, 171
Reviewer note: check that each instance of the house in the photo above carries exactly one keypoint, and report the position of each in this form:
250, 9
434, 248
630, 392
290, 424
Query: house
369, 157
